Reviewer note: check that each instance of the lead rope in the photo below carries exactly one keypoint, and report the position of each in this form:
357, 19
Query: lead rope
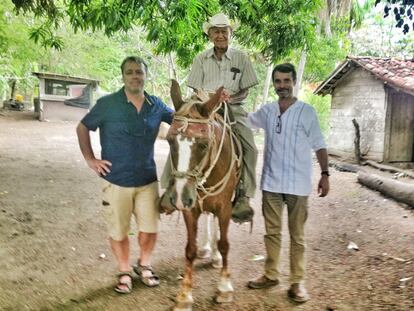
219, 186
200, 180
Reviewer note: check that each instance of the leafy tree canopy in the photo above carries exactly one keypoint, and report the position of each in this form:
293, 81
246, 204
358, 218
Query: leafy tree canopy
269, 26
402, 11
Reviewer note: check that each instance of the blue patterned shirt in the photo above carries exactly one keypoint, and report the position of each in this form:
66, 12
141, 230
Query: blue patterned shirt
127, 137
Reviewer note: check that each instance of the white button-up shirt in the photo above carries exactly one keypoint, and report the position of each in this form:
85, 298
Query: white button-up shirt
235, 72
287, 163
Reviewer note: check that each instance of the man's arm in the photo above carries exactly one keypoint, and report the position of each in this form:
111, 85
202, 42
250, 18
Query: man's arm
101, 167
323, 185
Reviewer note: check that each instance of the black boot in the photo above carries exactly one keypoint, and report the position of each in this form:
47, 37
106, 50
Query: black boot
242, 211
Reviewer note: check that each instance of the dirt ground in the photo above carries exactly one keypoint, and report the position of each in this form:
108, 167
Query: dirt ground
52, 237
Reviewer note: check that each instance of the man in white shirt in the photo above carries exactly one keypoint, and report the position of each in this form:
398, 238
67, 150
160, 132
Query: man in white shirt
292, 131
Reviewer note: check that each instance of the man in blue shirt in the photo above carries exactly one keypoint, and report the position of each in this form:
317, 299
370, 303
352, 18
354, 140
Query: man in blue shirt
128, 122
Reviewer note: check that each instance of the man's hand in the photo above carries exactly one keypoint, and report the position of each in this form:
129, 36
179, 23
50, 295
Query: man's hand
224, 96
238, 97
323, 186
101, 167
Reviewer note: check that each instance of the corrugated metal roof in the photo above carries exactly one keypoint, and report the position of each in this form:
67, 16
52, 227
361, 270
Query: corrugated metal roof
49, 75
397, 73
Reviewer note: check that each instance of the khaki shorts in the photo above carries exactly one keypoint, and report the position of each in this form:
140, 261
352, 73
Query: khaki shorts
120, 203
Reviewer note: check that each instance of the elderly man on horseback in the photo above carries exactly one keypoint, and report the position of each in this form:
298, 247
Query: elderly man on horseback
231, 68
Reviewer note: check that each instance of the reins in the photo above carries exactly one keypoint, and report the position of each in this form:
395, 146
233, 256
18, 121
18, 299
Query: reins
200, 173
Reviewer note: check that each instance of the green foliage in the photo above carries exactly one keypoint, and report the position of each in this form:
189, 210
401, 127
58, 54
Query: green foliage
402, 10
379, 38
323, 58
322, 106
46, 37
17, 53
170, 25
271, 27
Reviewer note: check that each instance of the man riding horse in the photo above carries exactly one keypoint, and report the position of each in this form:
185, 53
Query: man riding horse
232, 69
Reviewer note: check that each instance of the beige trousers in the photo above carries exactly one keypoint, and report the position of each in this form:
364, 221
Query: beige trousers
120, 203
245, 134
297, 207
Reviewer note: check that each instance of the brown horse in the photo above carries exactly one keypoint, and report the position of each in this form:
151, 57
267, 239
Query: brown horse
204, 162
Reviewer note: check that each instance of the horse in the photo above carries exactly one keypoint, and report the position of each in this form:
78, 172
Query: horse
205, 162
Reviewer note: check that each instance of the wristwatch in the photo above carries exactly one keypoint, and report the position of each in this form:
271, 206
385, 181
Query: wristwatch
325, 173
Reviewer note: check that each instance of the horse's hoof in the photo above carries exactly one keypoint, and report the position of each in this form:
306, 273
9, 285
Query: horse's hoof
183, 306
224, 297
204, 253
217, 263
184, 302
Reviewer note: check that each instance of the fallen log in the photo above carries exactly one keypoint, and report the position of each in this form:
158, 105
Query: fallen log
344, 167
400, 191
388, 168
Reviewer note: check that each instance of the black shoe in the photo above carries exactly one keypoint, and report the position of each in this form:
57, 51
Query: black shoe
242, 211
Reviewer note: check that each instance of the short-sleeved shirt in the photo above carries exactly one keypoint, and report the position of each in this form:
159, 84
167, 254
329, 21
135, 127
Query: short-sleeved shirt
235, 72
127, 137
287, 163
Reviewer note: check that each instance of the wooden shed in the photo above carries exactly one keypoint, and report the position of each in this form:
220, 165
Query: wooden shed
63, 97
379, 94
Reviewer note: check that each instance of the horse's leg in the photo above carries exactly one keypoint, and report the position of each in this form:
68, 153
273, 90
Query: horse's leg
184, 300
225, 288
205, 250
216, 258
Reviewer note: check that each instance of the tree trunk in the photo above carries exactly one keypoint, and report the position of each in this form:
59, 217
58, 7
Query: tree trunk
328, 12
391, 169
397, 190
300, 71
357, 148
267, 83
12, 84
171, 67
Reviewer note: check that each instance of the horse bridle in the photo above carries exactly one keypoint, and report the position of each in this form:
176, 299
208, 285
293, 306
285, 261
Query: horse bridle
212, 155
187, 130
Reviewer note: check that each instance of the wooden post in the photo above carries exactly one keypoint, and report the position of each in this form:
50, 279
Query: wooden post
357, 148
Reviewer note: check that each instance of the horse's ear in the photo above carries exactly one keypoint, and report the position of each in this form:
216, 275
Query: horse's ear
175, 93
214, 100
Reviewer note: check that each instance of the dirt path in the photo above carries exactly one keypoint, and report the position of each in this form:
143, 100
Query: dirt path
52, 235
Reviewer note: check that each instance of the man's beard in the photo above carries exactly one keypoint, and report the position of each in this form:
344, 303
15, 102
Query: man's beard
283, 93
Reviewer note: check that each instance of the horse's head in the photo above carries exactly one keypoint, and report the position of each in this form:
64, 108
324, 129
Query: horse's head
190, 137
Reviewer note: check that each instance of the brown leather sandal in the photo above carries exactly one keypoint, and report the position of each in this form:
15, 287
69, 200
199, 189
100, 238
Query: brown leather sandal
124, 287
151, 280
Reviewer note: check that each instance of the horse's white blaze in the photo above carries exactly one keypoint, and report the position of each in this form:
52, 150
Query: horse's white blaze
184, 155
225, 285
